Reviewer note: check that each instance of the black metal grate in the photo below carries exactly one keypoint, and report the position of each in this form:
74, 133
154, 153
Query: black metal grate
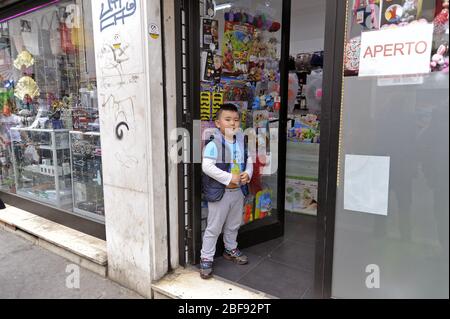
183, 121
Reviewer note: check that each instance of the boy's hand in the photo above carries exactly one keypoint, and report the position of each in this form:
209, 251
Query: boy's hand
235, 180
245, 178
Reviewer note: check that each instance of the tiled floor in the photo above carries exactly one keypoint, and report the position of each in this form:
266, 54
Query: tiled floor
283, 267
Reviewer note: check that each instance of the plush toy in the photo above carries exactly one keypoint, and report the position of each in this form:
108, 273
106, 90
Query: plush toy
445, 67
438, 59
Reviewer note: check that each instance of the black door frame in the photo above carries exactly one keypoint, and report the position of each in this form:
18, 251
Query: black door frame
188, 23
189, 86
335, 28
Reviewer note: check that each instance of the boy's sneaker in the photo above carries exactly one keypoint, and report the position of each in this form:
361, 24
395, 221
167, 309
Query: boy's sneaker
235, 256
206, 269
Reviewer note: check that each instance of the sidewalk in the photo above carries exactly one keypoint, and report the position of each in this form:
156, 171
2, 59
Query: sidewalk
30, 272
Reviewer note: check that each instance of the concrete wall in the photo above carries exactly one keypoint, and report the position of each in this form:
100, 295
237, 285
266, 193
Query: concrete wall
131, 96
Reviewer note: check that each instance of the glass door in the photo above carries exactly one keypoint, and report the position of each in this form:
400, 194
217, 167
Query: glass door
241, 63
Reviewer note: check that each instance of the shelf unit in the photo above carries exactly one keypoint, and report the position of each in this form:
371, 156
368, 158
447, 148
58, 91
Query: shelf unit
41, 161
87, 178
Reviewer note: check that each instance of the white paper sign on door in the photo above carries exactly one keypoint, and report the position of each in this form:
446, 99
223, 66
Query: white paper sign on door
398, 51
366, 184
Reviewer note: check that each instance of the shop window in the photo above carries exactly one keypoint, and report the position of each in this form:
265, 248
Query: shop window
376, 15
392, 194
50, 147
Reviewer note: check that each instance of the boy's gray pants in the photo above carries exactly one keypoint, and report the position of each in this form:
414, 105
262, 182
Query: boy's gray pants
225, 214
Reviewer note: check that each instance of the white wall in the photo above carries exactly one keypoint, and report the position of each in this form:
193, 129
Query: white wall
130, 88
307, 26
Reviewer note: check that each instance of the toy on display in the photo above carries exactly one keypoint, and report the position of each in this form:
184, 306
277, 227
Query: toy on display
440, 60
263, 204
205, 106
366, 13
210, 34
237, 43
305, 130
217, 102
249, 209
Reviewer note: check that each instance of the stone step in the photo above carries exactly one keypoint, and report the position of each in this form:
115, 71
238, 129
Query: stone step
185, 283
82, 249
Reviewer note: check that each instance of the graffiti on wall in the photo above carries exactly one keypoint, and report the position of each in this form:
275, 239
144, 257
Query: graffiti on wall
116, 11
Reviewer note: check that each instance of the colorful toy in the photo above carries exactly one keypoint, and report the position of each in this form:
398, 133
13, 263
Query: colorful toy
248, 209
256, 104
263, 205
438, 60
205, 106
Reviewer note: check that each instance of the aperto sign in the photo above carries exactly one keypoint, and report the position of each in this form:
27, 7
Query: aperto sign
399, 51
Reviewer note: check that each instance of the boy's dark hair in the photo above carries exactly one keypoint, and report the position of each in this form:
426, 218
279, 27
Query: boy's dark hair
227, 107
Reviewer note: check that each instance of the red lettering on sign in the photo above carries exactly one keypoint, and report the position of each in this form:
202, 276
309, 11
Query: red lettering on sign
399, 47
396, 49
388, 48
425, 47
409, 44
378, 49
369, 52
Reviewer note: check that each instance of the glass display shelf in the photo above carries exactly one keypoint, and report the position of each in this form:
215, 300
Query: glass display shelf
87, 178
41, 161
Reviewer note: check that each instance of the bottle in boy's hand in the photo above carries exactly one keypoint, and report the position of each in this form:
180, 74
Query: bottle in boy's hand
236, 172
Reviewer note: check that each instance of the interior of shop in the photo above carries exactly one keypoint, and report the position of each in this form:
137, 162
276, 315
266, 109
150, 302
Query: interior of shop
240, 64
283, 267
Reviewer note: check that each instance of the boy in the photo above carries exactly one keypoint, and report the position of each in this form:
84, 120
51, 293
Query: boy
227, 172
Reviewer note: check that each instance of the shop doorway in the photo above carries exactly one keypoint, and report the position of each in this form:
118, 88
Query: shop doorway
267, 58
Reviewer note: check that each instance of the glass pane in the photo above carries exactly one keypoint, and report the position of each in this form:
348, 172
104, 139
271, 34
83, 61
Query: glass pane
404, 254
47, 90
240, 56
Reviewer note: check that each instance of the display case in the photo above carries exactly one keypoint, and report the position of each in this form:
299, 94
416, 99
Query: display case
87, 178
41, 160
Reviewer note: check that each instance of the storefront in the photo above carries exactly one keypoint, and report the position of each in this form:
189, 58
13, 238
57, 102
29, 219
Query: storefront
330, 175
51, 154
349, 193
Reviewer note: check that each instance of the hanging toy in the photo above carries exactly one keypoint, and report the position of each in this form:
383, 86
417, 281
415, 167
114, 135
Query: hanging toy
441, 20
